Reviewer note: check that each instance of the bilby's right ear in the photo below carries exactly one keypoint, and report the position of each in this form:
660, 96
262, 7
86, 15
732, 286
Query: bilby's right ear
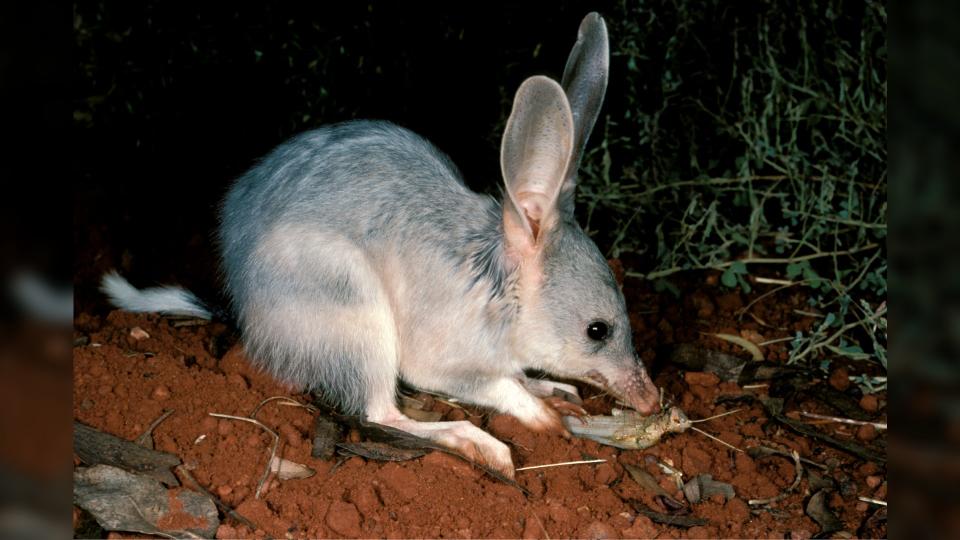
585, 83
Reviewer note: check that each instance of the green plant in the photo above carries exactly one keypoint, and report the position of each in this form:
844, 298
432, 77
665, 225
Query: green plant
755, 150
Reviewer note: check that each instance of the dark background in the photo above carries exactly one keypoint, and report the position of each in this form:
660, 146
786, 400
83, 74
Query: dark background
174, 101
141, 169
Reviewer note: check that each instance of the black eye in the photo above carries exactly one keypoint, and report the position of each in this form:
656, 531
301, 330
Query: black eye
597, 330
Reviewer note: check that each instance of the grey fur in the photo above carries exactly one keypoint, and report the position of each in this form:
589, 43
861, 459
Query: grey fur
354, 254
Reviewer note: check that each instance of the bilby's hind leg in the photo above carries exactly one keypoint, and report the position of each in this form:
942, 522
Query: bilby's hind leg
462, 437
319, 315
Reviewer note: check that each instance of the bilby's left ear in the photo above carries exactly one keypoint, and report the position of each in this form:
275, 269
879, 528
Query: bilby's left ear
534, 157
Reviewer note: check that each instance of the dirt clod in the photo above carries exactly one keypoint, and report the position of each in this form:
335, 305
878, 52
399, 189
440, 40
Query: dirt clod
840, 378
344, 519
870, 403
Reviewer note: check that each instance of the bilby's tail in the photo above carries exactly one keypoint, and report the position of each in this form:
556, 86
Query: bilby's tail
167, 300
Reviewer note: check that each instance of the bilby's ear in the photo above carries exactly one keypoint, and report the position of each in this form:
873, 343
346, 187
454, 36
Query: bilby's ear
534, 157
585, 83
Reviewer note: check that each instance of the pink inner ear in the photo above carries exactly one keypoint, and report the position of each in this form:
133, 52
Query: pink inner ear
532, 206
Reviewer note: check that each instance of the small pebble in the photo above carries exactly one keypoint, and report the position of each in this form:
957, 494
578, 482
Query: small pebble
161, 393
874, 481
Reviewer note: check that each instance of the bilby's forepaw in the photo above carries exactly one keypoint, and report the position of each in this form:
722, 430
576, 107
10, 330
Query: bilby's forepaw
566, 408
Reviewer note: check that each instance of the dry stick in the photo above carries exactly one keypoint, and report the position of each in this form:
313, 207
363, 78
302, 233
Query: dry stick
878, 425
562, 464
768, 450
288, 401
755, 386
220, 504
777, 340
273, 452
143, 439
773, 281
783, 494
872, 501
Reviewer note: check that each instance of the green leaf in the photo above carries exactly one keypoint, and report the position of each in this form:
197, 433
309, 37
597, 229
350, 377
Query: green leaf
794, 270
729, 278
661, 285
738, 267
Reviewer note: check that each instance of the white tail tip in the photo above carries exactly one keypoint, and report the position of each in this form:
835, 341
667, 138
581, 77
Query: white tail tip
166, 300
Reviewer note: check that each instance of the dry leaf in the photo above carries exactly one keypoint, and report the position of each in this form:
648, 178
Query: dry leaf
289, 470
748, 345
138, 333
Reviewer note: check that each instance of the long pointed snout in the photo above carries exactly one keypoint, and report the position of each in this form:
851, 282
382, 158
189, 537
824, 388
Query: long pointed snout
640, 393
632, 385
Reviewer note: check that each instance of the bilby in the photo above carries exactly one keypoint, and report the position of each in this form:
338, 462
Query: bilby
354, 255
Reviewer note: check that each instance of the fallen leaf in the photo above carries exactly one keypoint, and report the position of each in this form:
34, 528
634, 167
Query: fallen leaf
818, 511
123, 501
667, 519
747, 345
649, 483
703, 487
138, 333
289, 470
95, 447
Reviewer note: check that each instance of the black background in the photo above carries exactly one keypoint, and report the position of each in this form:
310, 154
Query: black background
179, 100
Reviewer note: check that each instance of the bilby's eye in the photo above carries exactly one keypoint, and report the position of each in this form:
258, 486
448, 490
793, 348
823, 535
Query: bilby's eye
597, 330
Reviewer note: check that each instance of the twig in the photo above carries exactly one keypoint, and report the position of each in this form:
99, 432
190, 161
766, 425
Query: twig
872, 501
777, 340
786, 492
766, 450
755, 386
145, 439
287, 401
561, 464
774, 281
273, 452
220, 504
878, 425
